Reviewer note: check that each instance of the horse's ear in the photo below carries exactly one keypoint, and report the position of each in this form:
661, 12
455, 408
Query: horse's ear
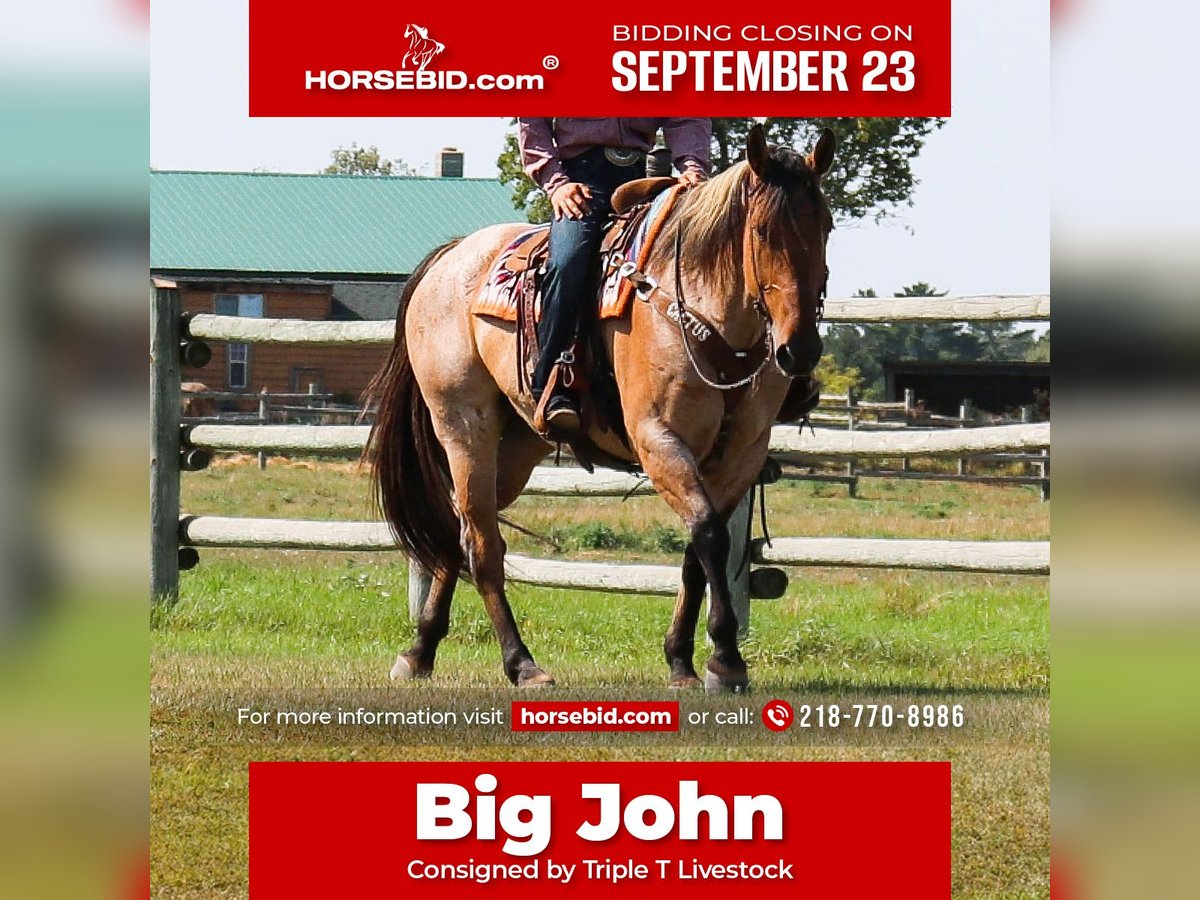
756, 149
821, 158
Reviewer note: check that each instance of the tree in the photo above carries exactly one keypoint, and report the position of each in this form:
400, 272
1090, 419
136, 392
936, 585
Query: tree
871, 175
872, 172
1040, 351
1003, 342
525, 194
866, 347
836, 379
356, 160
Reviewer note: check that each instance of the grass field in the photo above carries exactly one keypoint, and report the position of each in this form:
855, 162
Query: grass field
317, 630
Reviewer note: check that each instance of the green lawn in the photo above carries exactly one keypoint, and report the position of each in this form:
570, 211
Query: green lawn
294, 629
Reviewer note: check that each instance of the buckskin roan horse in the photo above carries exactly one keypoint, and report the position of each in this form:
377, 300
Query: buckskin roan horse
452, 444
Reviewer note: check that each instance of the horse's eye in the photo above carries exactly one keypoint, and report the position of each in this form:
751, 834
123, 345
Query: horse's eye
762, 231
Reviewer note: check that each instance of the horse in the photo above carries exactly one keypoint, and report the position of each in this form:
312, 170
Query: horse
453, 444
194, 407
421, 47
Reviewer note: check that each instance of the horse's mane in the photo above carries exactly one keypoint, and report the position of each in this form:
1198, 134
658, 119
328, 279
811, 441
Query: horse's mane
713, 215
710, 221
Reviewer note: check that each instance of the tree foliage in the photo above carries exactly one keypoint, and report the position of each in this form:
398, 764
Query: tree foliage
526, 195
871, 175
866, 347
872, 170
836, 379
356, 160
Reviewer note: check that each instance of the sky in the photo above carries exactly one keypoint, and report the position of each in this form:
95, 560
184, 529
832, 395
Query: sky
980, 223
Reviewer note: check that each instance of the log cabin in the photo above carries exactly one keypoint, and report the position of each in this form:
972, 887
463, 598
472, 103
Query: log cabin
335, 247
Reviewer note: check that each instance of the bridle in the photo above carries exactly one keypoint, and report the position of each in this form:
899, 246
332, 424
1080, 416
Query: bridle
767, 339
687, 320
760, 302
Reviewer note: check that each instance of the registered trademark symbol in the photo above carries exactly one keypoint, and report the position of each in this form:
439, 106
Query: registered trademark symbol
550, 62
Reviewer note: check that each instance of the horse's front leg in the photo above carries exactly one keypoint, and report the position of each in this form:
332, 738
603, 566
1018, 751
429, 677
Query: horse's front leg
680, 644
676, 476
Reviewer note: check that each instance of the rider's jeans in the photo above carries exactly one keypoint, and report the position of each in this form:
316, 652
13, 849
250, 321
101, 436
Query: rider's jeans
572, 266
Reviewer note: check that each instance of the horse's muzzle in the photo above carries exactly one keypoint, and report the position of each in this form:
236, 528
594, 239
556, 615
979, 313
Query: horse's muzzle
800, 355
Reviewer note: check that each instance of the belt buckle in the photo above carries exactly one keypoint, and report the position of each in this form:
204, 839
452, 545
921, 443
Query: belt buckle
622, 156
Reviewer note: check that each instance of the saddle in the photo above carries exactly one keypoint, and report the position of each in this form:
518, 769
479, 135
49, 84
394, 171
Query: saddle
626, 199
590, 374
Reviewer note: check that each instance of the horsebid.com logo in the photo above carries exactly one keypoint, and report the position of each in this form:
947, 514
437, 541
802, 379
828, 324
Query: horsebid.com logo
421, 47
413, 74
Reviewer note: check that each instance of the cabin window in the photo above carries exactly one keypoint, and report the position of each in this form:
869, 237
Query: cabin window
248, 305
239, 365
238, 358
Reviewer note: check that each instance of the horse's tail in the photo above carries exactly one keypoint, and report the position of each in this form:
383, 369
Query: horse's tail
411, 475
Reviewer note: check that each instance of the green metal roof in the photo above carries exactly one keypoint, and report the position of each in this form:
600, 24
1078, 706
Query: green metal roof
312, 224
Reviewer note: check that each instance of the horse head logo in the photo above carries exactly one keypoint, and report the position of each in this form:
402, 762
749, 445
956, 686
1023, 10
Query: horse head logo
421, 47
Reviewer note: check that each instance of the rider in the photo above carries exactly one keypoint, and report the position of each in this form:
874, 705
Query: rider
579, 163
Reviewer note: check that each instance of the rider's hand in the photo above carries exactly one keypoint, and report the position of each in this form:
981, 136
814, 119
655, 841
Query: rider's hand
691, 178
570, 201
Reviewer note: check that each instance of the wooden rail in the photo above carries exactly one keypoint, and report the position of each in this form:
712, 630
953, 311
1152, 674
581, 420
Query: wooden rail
1006, 557
984, 308
823, 443
169, 530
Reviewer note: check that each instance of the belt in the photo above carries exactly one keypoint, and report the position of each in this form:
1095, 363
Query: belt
624, 156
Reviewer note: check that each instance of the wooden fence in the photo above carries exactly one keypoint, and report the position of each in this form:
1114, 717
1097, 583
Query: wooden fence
176, 447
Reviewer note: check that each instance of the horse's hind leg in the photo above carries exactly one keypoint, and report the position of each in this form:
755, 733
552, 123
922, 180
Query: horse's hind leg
519, 452
471, 436
417, 662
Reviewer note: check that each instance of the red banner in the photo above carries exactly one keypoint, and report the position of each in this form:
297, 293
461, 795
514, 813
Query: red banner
583, 830
861, 58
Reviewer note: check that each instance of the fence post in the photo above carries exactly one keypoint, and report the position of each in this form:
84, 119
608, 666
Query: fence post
419, 583
264, 417
965, 414
165, 415
1044, 466
910, 408
850, 402
739, 584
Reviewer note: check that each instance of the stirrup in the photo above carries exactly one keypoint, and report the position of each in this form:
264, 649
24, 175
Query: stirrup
566, 360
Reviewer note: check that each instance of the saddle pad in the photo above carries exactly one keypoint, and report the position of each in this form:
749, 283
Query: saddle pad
498, 299
500, 293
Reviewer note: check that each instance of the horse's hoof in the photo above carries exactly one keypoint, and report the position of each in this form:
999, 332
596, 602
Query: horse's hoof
736, 683
535, 678
404, 670
684, 683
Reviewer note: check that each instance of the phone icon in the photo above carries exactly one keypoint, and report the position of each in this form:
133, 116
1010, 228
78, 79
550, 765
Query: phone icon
777, 715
